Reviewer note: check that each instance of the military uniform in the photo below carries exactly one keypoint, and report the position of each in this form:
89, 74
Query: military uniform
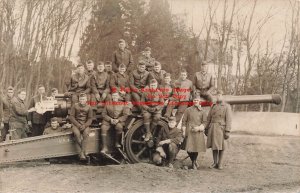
194, 141
81, 117
120, 82
137, 81
90, 96
18, 119
122, 57
158, 76
203, 85
171, 149
100, 84
79, 83
149, 61
5, 112
116, 110
38, 120
181, 97
218, 122
50, 130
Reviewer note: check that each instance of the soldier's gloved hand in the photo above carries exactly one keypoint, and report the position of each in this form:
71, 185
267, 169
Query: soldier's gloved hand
29, 123
151, 109
104, 96
98, 98
183, 131
226, 135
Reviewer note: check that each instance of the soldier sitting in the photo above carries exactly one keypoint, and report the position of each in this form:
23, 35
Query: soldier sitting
114, 115
137, 81
79, 83
181, 96
100, 83
54, 128
158, 73
152, 103
203, 83
120, 82
81, 117
168, 142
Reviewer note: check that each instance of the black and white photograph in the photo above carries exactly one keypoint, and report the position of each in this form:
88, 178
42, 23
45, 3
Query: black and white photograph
149, 96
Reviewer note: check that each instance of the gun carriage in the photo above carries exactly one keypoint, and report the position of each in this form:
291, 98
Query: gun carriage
134, 149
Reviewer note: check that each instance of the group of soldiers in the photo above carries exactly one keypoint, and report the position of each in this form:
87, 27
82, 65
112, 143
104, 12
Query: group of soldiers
118, 86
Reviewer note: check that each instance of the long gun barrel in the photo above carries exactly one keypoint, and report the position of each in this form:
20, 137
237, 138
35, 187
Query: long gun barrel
253, 99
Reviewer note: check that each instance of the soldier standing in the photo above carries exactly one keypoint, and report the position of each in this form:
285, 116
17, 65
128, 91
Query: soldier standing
158, 73
114, 115
193, 125
100, 83
122, 56
38, 121
81, 117
181, 96
217, 129
168, 142
152, 103
167, 87
137, 81
79, 83
148, 60
204, 83
5, 111
18, 119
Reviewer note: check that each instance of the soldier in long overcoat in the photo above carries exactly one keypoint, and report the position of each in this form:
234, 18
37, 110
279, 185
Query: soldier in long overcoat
193, 125
217, 129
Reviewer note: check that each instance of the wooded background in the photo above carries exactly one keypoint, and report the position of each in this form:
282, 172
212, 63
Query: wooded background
38, 38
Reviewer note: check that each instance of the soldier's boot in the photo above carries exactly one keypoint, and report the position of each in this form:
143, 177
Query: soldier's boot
104, 143
215, 158
83, 148
118, 139
148, 135
220, 163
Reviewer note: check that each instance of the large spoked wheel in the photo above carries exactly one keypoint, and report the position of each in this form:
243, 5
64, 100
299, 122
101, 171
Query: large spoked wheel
136, 148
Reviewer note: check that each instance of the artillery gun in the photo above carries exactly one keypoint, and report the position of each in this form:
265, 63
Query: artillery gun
63, 144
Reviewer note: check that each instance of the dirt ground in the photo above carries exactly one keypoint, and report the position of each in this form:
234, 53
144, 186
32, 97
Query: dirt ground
253, 164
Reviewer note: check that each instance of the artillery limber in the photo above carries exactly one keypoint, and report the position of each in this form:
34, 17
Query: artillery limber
134, 148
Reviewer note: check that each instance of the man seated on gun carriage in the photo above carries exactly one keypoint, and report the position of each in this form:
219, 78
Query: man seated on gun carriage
114, 115
81, 117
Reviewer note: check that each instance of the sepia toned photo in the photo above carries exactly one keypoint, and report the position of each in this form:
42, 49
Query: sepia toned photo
149, 96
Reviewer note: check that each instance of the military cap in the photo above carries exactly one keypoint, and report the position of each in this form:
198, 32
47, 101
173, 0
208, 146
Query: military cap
82, 95
89, 61
40, 86
100, 63
172, 119
167, 75
53, 119
142, 63
148, 49
121, 40
122, 66
152, 81
21, 90
183, 70
54, 89
10, 88
108, 63
157, 63
79, 65
219, 91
